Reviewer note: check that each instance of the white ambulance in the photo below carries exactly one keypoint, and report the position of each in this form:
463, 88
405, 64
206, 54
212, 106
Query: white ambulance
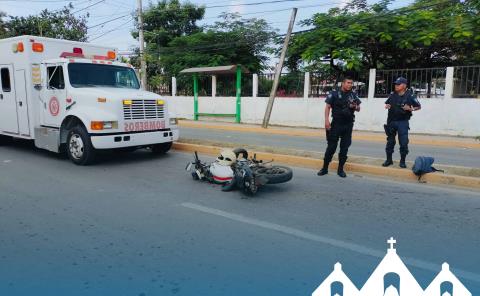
76, 97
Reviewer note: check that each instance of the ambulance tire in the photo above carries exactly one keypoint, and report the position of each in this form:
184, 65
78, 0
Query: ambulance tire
4, 140
79, 146
162, 148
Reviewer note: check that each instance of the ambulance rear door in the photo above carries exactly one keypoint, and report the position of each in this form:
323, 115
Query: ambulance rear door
8, 101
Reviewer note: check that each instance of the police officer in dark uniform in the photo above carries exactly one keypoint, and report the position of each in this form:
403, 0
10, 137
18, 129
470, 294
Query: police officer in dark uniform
400, 104
343, 103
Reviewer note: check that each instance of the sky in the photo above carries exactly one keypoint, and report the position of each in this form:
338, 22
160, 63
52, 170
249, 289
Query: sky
117, 33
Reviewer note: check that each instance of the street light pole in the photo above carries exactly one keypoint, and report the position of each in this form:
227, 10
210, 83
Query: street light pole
143, 63
278, 71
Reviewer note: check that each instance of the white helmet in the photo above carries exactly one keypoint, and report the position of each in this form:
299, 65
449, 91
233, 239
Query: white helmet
226, 158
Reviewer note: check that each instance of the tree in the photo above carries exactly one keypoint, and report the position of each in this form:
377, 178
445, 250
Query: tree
3, 30
61, 24
231, 41
169, 19
163, 22
175, 41
358, 37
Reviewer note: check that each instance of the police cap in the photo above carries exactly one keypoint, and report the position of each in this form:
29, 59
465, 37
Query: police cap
401, 80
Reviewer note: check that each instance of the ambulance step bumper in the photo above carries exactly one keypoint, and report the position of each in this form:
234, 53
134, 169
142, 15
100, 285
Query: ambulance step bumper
47, 138
120, 140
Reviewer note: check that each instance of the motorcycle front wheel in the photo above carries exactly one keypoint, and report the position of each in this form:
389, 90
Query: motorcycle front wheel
275, 174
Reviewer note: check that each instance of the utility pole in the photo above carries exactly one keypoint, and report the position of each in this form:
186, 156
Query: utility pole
278, 71
143, 63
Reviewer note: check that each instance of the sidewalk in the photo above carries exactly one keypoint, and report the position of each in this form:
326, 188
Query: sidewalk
377, 137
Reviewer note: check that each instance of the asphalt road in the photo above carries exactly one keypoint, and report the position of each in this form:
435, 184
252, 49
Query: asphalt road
138, 225
449, 156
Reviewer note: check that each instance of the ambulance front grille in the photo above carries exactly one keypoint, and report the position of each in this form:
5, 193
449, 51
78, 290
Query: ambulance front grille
143, 109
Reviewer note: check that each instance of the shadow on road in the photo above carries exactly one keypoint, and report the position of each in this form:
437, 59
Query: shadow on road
104, 157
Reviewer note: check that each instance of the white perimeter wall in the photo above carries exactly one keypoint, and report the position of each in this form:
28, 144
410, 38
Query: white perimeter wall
438, 116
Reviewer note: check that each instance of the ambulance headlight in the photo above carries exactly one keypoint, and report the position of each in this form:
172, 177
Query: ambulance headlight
110, 124
102, 125
173, 121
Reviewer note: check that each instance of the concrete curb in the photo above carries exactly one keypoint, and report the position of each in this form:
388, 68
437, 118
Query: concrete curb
449, 169
307, 162
358, 135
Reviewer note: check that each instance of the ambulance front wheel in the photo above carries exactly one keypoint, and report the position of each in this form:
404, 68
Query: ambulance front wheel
5, 140
161, 148
79, 146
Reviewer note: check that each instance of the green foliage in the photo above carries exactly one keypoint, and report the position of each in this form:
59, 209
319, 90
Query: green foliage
359, 37
290, 85
163, 22
175, 41
168, 19
231, 42
3, 30
61, 24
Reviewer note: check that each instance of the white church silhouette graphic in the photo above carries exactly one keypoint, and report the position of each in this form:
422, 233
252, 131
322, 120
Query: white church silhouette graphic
391, 278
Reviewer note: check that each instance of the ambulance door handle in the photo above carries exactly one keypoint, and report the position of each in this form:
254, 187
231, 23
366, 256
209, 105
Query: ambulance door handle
1, 96
20, 104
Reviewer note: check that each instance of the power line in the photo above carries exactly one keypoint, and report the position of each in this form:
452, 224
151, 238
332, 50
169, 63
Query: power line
109, 31
282, 9
81, 2
175, 9
259, 12
108, 21
213, 47
399, 11
252, 4
255, 3
124, 5
101, 29
87, 7
105, 16
248, 4
77, 2
40, 1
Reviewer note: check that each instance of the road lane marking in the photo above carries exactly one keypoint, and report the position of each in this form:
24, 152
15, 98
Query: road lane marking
328, 241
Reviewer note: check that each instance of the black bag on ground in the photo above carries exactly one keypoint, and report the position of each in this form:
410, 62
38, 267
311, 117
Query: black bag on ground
423, 165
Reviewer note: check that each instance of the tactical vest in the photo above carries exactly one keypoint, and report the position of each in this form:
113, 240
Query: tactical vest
341, 111
396, 112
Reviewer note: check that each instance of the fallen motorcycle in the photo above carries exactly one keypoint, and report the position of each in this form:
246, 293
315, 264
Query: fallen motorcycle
233, 169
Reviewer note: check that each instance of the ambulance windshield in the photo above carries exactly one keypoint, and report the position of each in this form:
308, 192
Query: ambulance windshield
101, 75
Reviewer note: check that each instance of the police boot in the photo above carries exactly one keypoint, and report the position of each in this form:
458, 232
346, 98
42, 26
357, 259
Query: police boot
324, 170
341, 164
402, 161
389, 160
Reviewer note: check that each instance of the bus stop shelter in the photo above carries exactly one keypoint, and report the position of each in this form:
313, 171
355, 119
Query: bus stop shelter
232, 69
